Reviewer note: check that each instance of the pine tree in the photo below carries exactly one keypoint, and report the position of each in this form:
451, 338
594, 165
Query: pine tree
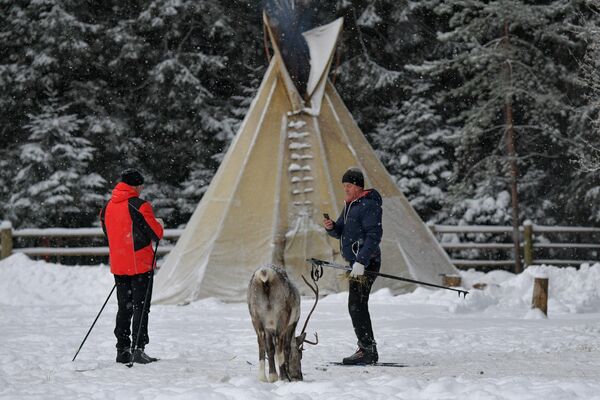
53, 185
171, 64
45, 50
532, 68
368, 74
583, 199
415, 151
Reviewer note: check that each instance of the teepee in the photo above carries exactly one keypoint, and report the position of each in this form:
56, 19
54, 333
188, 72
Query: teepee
280, 174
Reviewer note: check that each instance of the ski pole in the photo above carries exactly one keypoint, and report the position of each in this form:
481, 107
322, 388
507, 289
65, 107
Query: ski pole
150, 283
323, 263
94, 323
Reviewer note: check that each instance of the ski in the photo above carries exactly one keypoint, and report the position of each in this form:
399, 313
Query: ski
106, 366
379, 364
93, 367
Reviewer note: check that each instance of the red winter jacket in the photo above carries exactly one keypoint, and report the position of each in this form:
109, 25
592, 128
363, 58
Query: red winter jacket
130, 226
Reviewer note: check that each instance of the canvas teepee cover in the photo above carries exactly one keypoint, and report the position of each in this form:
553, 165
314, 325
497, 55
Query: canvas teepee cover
280, 174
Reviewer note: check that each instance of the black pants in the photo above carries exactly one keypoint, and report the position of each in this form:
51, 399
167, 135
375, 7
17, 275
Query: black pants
358, 305
131, 295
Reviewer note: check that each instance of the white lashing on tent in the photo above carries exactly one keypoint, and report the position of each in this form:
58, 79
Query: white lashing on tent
296, 156
297, 135
298, 146
296, 124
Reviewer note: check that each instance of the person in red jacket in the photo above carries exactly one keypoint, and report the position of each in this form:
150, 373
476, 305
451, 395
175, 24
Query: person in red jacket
130, 227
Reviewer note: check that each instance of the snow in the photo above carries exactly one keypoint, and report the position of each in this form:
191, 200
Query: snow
490, 345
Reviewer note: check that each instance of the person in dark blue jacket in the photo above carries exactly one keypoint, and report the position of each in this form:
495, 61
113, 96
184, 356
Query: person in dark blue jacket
359, 229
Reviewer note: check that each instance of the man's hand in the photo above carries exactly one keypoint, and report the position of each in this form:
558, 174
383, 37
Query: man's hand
328, 224
357, 270
161, 222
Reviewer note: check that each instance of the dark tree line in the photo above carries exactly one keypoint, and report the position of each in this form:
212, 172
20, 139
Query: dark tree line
89, 88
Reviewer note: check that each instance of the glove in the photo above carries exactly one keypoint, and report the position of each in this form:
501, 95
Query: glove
357, 270
161, 222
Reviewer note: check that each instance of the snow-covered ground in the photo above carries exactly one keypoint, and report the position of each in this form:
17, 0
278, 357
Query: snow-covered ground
487, 346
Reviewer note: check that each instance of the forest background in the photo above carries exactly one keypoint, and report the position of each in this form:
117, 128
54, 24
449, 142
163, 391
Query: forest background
89, 88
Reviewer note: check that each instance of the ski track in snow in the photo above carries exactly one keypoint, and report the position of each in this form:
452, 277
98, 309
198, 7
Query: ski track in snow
488, 346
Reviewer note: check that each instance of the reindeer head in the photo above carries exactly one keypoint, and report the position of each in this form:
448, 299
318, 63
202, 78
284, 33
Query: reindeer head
295, 361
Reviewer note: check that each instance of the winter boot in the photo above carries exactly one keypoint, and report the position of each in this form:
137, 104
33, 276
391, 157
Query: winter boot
124, 356
142, 358
362, 356
374, 354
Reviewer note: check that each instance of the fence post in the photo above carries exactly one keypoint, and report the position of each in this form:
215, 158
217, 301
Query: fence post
6, 239
528, 247
539, 298
451, 280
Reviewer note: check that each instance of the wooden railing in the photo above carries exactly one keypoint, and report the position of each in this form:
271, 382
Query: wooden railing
8, 236
529, 232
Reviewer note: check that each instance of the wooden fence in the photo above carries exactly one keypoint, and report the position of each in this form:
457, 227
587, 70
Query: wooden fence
533, 241
448, 235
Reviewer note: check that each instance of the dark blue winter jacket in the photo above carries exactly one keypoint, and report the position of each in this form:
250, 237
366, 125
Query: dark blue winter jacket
359, 228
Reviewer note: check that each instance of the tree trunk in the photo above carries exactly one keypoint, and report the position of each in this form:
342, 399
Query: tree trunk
510, 146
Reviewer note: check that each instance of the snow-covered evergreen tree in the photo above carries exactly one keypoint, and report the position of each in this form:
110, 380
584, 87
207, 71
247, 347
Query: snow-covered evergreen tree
44, 47
162, 85
178, 107
413, 146
53, 186
529, 66
583, 201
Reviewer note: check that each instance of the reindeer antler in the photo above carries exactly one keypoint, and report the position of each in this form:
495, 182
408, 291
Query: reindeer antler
315, 290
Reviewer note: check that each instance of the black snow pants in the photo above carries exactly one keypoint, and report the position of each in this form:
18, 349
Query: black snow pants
358, 305
131, 292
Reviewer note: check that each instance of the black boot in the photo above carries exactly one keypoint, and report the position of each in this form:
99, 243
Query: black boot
142, 358
374, 354
124, 356
362, 356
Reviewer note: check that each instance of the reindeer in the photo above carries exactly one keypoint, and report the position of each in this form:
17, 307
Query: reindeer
274, 305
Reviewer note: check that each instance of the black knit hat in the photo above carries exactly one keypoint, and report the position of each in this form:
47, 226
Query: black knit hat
132, 177
354, 176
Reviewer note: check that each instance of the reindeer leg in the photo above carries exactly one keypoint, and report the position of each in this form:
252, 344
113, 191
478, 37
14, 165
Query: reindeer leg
283, 351
292, 366
261, 357
270, 344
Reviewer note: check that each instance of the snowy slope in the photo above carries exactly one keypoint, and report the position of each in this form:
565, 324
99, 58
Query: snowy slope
487, 346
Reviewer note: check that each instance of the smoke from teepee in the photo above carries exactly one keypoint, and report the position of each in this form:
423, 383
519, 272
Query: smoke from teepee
288, 19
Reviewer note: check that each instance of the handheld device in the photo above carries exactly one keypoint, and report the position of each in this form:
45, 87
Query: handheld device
326, 216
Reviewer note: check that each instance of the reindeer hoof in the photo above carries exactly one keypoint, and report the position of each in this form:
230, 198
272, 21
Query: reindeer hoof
273, 378
262, 377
